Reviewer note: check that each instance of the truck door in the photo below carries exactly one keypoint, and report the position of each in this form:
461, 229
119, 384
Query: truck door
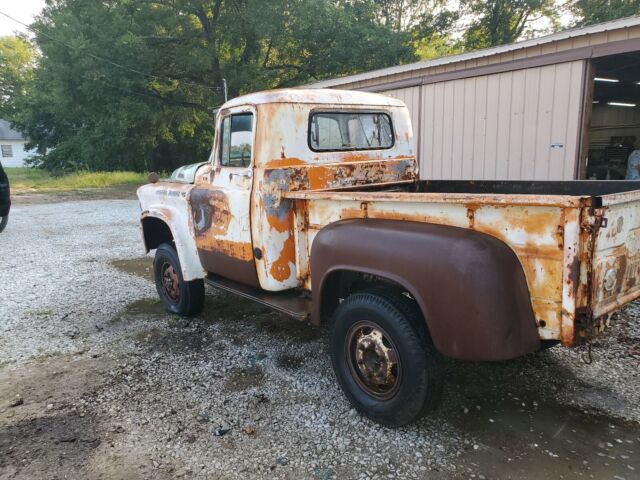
221, 208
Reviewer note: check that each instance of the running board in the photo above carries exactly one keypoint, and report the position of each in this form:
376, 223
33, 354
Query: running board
291, 303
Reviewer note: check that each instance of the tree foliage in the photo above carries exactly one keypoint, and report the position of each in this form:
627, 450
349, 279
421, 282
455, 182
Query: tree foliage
17, 61
129, 84
497, 22
596, 11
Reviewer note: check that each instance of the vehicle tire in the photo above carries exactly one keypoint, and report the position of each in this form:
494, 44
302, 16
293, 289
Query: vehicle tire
3, 222
177, 295
384, 358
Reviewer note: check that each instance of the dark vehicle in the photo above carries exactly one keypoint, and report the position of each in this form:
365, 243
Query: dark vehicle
5, 200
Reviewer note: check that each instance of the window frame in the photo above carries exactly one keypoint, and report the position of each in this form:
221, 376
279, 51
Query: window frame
386, 113
9, 148
216, 154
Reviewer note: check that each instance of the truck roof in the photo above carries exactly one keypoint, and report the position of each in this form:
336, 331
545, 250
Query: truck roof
315, 95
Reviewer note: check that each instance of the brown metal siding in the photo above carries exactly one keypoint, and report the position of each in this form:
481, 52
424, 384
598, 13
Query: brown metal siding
411, 97
501, 126
564, 45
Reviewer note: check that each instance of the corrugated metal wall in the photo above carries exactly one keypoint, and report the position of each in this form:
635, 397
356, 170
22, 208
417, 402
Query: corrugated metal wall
411, 97
517, 125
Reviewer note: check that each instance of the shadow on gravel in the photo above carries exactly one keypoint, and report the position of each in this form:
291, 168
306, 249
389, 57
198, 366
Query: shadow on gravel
221, 307
522, 438
240, 379
141, 267
175, 340
510, 409
37, 448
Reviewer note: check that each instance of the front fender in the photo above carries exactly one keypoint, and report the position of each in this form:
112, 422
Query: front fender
470, 286
169, 203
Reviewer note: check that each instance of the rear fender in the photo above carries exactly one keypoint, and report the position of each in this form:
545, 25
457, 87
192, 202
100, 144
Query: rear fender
470, 286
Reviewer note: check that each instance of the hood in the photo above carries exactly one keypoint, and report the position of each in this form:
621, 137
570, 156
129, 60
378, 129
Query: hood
187, 173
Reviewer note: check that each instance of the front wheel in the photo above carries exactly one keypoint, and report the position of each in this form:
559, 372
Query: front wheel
177, 295
384, 359
3, 222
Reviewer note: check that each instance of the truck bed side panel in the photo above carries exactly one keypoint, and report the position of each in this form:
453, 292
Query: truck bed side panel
534, 232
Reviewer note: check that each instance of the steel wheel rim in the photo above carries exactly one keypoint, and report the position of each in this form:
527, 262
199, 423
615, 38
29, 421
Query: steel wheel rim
170, 282
373, 360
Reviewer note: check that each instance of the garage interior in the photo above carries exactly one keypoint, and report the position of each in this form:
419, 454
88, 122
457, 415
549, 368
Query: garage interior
614, 123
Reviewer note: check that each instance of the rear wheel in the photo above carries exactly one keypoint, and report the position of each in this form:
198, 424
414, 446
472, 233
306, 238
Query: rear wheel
177, 295
384, 358
3, 222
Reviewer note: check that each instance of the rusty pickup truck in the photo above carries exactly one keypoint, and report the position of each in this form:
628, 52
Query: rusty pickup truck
311, 203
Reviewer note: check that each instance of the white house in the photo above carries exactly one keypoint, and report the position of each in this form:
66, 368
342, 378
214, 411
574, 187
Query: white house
12, 151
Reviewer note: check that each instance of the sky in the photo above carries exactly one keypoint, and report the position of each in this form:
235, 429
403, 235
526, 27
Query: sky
23, 10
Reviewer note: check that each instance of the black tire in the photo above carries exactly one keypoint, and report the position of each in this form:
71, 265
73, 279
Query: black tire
177, 295
418, 371
3, 222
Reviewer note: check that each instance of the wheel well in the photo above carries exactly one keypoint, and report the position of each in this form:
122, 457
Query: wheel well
341, 283
156, 232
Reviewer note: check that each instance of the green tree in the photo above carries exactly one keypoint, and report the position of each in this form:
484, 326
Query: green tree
497, 22
596, 11
406, 15
129, 84
17, 61
429, 22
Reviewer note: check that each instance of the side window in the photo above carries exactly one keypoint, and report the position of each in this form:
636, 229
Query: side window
236, 140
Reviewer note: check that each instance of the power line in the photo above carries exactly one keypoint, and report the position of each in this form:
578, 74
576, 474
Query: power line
108, 60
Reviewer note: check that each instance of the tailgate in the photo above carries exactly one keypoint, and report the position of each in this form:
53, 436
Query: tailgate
616, 254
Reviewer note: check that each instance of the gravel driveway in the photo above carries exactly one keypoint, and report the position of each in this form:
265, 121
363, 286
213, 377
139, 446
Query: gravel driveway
96, 381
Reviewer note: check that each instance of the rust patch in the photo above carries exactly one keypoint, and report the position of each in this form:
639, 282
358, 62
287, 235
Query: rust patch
280, 269
279, 224
320, 177
285, 162
239, 250
210, 210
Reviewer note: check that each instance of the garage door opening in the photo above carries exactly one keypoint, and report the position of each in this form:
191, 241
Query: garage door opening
614, 125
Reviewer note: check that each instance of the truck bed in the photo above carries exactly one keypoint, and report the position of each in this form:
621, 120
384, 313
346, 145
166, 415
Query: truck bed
571, 237
571, 188
561, 193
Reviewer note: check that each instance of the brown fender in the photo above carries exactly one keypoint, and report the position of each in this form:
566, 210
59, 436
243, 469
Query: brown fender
470, 286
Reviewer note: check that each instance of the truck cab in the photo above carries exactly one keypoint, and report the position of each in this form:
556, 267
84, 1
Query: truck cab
311, 203
233, 206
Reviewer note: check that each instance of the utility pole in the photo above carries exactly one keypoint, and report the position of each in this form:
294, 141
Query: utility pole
224, 86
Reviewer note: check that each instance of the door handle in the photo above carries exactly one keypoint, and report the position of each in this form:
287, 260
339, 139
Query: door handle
240, 174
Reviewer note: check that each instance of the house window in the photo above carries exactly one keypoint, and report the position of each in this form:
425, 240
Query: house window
7, 151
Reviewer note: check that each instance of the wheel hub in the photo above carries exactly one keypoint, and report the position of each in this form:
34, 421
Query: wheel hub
373, 360
170, 282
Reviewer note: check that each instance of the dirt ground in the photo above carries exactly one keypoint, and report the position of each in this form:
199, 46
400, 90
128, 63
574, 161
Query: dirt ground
98, 382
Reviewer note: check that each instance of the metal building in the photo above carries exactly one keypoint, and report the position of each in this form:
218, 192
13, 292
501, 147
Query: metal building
561, 107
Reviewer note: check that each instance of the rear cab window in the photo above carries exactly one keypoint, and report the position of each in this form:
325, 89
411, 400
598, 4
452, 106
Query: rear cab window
345, 131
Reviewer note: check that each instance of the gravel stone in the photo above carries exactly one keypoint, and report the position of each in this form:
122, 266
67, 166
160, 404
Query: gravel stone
147, 387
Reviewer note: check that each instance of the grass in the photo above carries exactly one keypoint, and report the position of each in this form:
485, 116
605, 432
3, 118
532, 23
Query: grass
37, 180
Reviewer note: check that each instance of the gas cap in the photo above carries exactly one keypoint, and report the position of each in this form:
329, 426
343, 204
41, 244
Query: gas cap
610, 279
